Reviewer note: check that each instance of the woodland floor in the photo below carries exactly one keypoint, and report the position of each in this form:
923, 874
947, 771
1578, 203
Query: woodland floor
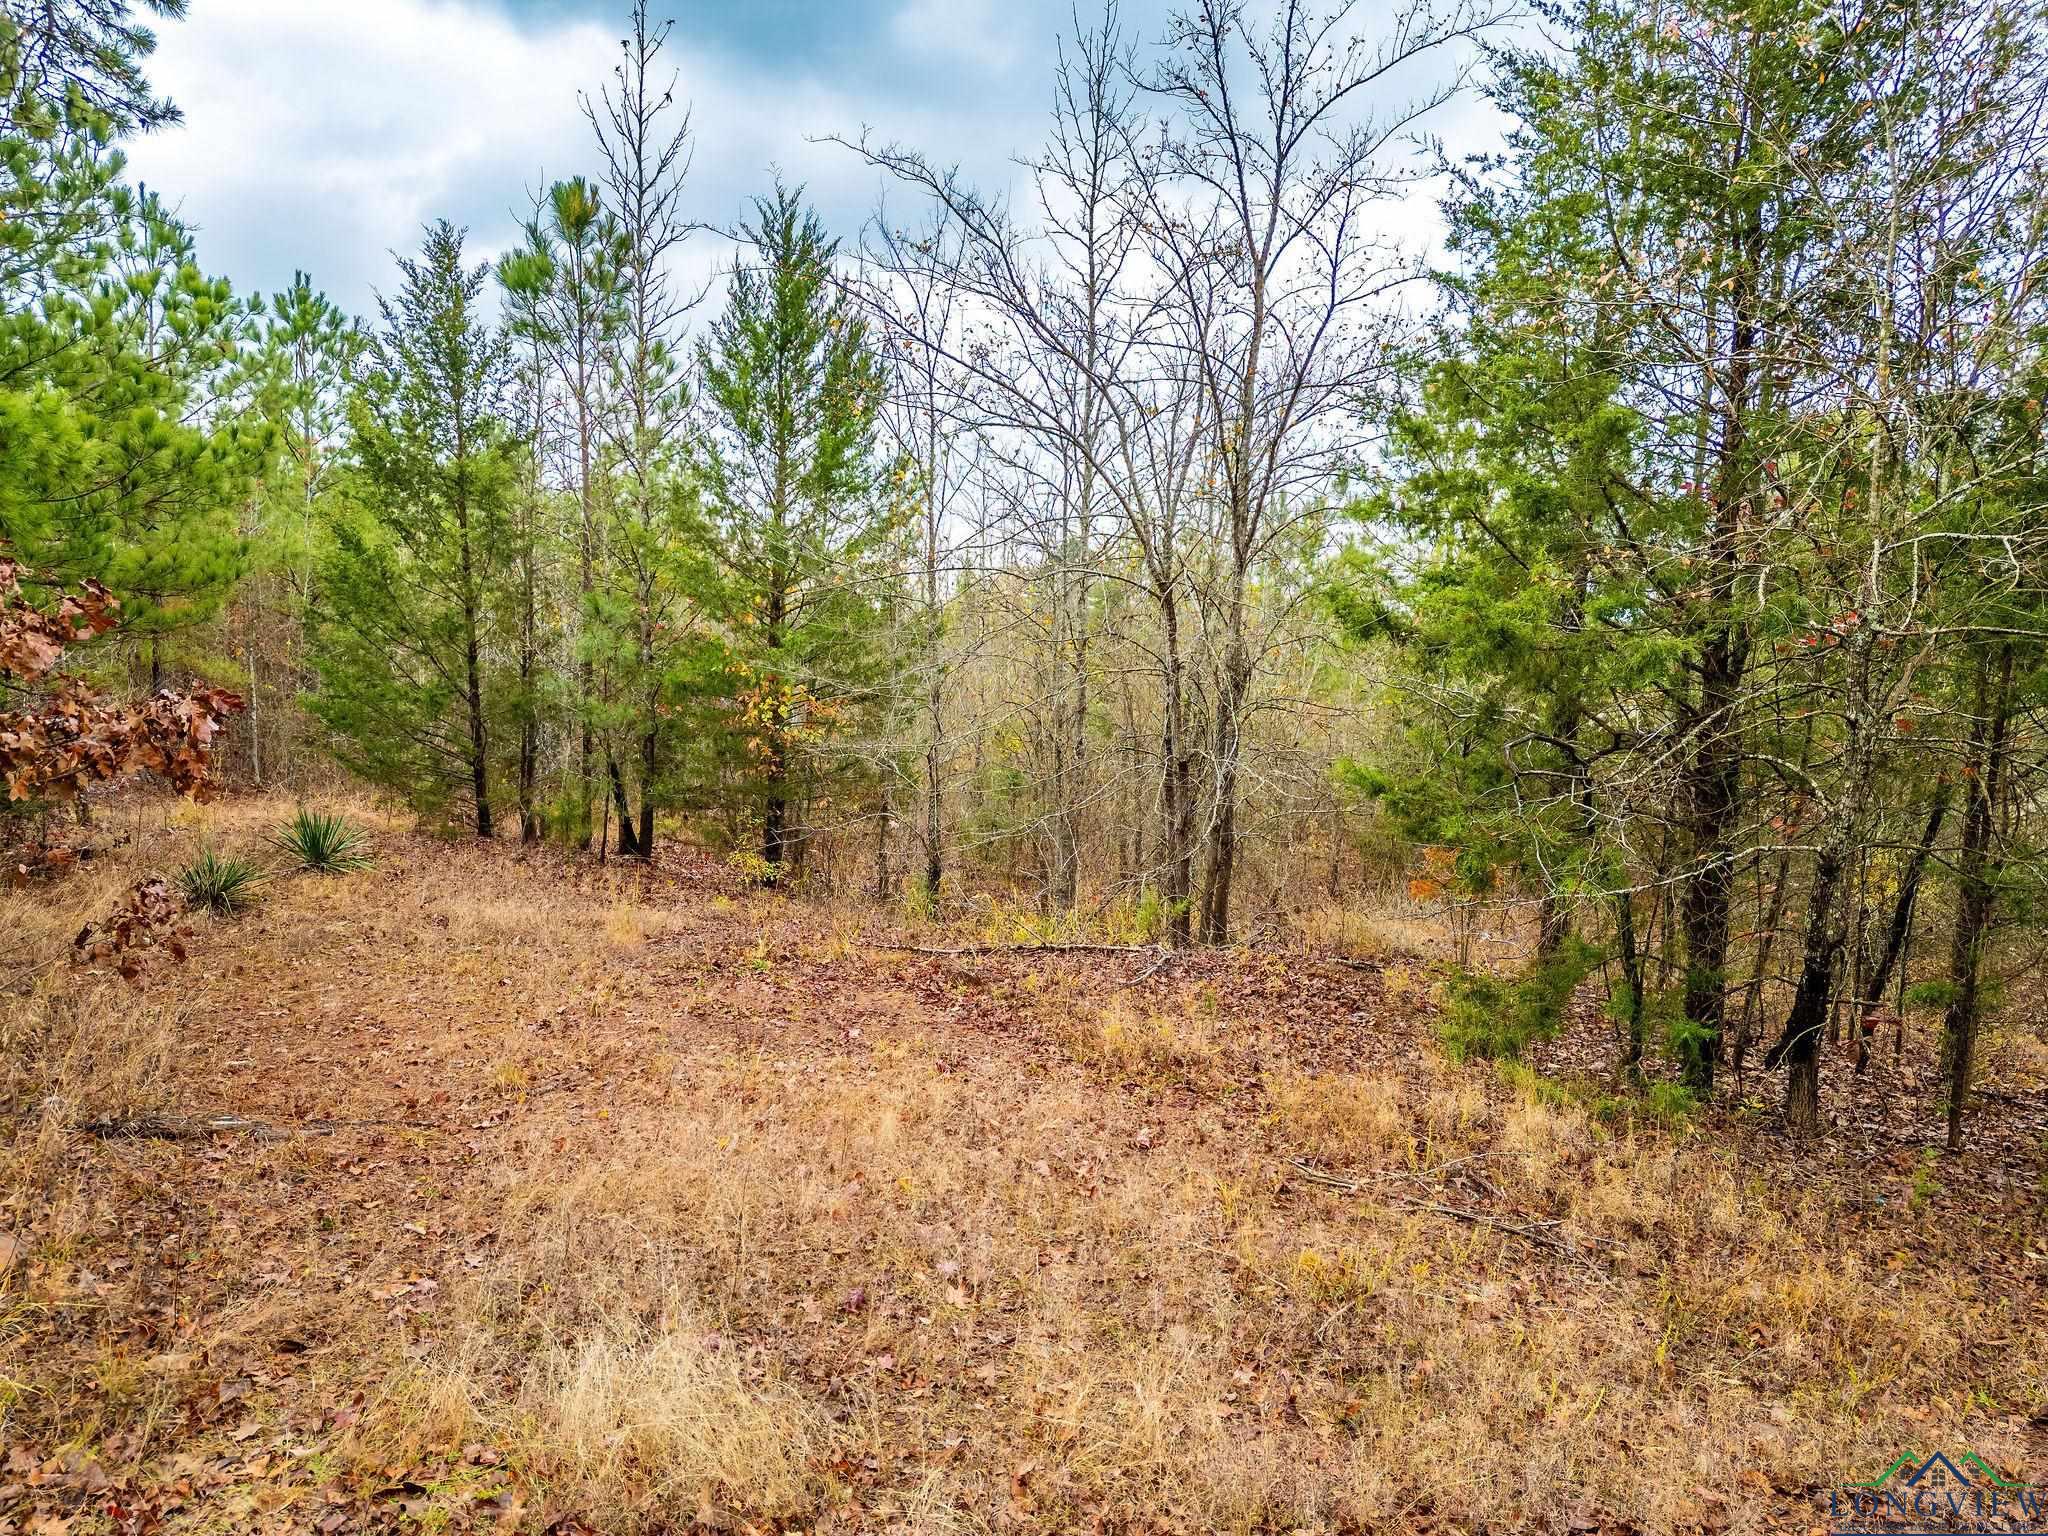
599, 1200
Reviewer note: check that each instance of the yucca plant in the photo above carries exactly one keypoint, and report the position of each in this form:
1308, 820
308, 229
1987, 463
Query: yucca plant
221, 885
324, 843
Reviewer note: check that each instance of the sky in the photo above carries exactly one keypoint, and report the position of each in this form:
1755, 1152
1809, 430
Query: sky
321, 134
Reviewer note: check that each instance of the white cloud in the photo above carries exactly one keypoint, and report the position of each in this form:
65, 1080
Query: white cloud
984, 33
322, 134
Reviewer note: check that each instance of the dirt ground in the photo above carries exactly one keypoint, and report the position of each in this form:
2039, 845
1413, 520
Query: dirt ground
568, 1199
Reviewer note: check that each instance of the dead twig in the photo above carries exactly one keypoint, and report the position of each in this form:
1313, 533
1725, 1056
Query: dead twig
22, 978
1011, 949
178, 1127
1353, 1186
1328, 1180
200, 1127
1166, 958
1534, 1231
1537, 1232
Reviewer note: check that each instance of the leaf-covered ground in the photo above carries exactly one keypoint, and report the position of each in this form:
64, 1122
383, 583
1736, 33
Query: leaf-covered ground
558, 1198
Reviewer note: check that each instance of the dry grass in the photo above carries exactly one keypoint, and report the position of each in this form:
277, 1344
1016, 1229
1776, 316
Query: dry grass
1344, 1120
1130, 1044
1157, 1330
674, 1205
1389, 925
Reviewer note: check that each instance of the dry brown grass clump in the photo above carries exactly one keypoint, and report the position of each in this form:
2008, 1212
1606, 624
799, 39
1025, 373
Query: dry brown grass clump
1124, 1041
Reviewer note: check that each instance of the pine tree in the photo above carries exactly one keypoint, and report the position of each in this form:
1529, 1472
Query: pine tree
576, 317
120, 464
421, 545
643, 629
299, 374
798, 526
119, 470
527, 275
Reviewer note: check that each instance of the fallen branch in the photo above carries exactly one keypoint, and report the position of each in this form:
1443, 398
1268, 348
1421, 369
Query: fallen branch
1012, 949
22, 978
1166, 958
1353, 1186
179, 1127
199, 1127
1537, 1232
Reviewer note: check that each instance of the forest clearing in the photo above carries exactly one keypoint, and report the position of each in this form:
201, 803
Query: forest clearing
616, 1200
992, 767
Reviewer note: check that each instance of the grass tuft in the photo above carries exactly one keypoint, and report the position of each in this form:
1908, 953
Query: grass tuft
324, 843
225, 886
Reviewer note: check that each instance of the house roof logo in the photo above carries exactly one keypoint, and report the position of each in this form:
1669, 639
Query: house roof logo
1967, 1471
1922, 1494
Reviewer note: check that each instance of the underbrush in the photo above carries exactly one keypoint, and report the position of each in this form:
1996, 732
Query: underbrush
1487, 1018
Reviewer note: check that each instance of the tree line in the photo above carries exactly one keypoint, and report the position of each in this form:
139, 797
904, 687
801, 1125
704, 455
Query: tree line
1161, 536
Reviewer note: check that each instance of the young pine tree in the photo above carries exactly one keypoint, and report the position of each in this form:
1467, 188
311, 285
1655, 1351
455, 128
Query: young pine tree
641, 623
299, 372
798, 530
420, 547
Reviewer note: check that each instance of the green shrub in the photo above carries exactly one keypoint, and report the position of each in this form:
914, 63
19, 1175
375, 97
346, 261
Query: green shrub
221, 885
1671, 1104
1479, 1020
1533, 1085
566, 818
919, 900
1486, 1018
324, 843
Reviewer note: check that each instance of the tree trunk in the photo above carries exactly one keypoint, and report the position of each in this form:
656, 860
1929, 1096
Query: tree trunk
529, 647
1229, 743
649, 762
1900, 928
529, 770
629, 844
1553, 922
1565, 716
479, 785
1712, 784
1977, 891
1752, 1002
1713, 777
934, 826
1070, 747
586, 669
1177, 789
882, 853
1799, 1046
934, 753
472, 659
650, 737
1633, 978
774, 821
775, 812
1827, 909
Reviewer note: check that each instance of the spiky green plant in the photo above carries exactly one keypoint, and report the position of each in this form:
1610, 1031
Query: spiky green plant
324, 843
221, 885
